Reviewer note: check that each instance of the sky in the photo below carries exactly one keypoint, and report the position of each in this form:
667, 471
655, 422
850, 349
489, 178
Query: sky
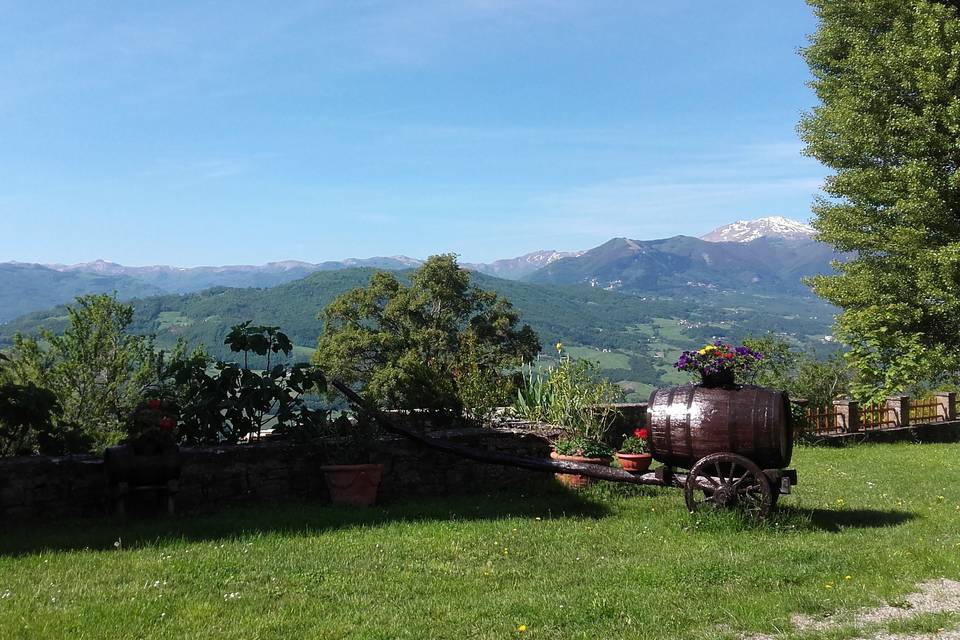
202, 133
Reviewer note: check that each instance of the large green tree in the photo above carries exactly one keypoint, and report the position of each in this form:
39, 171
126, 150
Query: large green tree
887, 75
95, 369
439, 343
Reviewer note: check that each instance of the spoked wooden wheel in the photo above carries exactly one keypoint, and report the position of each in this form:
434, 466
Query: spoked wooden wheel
726, 480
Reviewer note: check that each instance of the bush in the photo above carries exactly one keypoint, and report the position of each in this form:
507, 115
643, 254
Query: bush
800, 374
440, 344
26, 423
573, 395
96, 372
224, 402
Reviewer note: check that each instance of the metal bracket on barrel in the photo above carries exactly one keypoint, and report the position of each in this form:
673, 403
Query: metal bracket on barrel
781, 480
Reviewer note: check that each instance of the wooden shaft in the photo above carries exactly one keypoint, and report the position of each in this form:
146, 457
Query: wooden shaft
492, 457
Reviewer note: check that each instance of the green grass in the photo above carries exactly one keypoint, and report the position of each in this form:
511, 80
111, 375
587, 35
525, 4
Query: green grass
302, 353
615, 562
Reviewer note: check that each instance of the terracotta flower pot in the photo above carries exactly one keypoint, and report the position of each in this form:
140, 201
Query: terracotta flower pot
354, 484
575, 480
634, 462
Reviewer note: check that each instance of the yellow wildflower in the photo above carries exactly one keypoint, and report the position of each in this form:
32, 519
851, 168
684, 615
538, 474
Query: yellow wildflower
559, 346
522, 628
848, 578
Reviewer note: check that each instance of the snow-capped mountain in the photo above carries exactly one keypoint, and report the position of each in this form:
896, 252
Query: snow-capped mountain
771, 227
516, 268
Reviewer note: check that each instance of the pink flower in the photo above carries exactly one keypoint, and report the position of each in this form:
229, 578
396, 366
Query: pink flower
165, 423
641, 433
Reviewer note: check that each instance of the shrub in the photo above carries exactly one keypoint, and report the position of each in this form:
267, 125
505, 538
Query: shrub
96, 371
573, 395
440, 343
223, 402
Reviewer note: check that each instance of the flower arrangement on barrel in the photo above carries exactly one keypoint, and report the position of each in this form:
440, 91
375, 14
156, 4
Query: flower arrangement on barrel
718, 363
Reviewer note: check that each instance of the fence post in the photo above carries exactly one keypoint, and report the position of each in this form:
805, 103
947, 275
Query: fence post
899, 406
848, 413
946, 405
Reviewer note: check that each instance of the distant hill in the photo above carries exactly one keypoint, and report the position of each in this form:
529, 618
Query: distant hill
34, 287
27, 287
38, 287
634, 339
188, 279
683, 265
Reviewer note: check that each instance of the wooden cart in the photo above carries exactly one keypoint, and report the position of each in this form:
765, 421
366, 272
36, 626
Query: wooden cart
734, 443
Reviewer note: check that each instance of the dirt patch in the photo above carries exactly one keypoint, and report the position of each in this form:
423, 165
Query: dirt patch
932, 597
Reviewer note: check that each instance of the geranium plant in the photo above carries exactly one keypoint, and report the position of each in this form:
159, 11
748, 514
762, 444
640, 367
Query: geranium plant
636, 442
718, 363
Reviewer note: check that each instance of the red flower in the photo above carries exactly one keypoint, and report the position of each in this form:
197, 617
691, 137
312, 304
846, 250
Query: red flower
641, 433
728, 356
153, 403
165, 423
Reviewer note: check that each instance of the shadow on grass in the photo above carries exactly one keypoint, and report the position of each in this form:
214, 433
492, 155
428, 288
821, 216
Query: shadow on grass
295, 518
836, 520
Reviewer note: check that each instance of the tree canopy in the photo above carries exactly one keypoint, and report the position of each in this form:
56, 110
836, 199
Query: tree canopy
95, 369
887, 75
439, 343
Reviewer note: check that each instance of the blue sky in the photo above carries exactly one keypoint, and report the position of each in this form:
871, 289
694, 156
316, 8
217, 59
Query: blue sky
200, 132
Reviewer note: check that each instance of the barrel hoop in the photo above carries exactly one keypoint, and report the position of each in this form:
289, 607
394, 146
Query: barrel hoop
758, 425
668, 423
691, 393
731, 426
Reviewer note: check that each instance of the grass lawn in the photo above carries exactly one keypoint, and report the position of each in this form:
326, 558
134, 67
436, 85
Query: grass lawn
864, 527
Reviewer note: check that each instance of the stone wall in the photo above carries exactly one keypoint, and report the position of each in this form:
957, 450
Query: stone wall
46, 488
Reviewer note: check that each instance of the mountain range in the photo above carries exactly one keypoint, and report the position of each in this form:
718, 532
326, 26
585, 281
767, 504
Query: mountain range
634, 339
769, 255
684, 265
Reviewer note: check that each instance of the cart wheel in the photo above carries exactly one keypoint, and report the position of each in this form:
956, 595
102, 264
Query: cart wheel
728, 480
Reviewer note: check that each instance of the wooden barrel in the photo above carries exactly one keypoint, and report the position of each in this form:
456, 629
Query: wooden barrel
691, 421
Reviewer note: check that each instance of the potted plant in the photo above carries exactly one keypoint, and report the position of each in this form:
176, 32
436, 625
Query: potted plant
350, 476
579, 448
575, 397
718, 364
633, 455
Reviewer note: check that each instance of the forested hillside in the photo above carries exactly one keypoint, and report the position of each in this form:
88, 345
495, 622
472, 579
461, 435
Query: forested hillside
635, 339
